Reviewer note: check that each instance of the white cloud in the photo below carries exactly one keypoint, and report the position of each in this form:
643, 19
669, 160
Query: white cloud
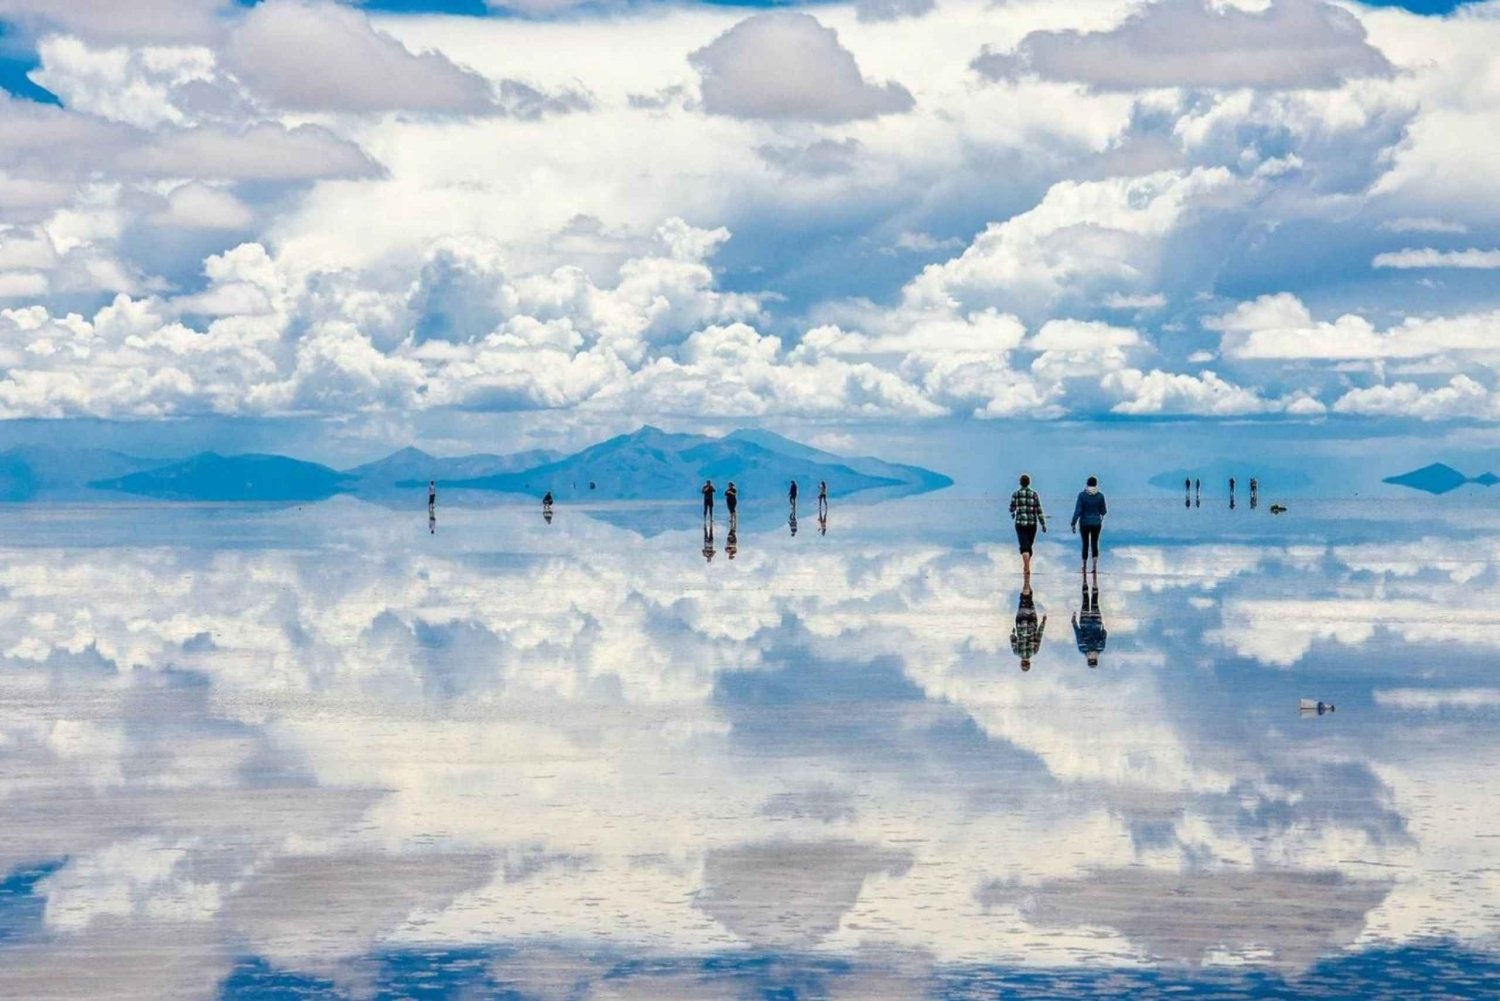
1460, 397
1158, 392
112, 20
324, 56
1194, 43
200, 206
1434, 699
1281, 327
1427, 257
1412, 224
785, 65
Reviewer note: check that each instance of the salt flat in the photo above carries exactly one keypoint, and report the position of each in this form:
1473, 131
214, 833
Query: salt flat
328, 752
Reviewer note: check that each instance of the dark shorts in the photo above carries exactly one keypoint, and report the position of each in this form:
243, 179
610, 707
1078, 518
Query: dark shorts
1025, 536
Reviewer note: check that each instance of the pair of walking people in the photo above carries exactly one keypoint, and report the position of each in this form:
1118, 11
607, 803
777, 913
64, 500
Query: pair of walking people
1088, 519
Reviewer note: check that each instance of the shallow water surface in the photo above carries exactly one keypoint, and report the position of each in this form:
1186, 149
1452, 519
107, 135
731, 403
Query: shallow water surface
334, 752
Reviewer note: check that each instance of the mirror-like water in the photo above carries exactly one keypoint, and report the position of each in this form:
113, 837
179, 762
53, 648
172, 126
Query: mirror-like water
328, 752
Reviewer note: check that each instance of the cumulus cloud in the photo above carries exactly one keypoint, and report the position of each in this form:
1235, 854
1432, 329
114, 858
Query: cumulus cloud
199, 206
785, 65
111, 20
1461, 397
323, 56
1195, 43
1281, 327
1158, 392
891, 10
1428, 257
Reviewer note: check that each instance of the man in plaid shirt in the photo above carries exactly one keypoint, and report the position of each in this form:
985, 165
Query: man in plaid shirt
1026, 512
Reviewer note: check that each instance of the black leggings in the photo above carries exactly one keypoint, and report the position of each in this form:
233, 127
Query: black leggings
1090, 536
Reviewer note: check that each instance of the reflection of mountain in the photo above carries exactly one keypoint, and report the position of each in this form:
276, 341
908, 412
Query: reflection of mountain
654, 464
213, 477
1439, 478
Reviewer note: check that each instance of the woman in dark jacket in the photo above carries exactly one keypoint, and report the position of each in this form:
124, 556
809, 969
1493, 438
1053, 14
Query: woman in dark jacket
1089, 512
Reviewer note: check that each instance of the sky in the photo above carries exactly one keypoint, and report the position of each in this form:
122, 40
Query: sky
378, 220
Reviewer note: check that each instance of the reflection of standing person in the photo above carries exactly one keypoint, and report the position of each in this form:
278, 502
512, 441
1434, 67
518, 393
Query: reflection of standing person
1026, 512
431, 494
708, 542
791, 522
1197, 493
1026, 635
823, 498
732, 544
547, 502
708, 499
1088, 626
1088, 519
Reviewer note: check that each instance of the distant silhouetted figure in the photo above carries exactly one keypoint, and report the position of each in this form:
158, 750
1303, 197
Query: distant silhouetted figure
1187, 486
1088, 520
1198, 492
1278, 509
1254, 493
732, 544
1231, 486
1026, 636
1088, 626
791, 496
823, 498
708, 499
431, 494
732, 501
547, 502
1026, 512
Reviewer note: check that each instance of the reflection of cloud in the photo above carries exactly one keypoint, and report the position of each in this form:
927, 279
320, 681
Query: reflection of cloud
1429, 699
790, 894
1193, 917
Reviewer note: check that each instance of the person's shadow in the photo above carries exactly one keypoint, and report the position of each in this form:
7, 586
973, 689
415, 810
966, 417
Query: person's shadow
1026, 635
1088, 625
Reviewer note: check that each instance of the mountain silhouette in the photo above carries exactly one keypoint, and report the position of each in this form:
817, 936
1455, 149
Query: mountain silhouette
210, 476
32, 472
409, 465
1439, 478
652, 464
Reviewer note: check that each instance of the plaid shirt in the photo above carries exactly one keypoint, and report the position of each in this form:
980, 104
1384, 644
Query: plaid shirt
1026, 637
1026, 507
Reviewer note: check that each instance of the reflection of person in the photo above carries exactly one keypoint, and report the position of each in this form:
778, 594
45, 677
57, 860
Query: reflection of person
823, 498
431, 494
547, 502
1088, 626
708, 542
1026, 636
791, 522
732, 544
823, 523
432, 521
708, 499
1026, 512
1088, 520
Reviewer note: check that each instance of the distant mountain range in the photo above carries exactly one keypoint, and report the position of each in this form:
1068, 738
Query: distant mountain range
649, 464
652, 464
1439, 478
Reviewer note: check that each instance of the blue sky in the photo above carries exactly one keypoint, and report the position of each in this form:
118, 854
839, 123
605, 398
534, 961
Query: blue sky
550, 217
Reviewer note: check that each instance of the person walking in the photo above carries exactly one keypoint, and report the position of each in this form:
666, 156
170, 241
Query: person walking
1026, 512
1088, 520
708, 500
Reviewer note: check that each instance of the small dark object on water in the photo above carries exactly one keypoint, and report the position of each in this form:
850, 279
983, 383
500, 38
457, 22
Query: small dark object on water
1277, 509
591, 484
1308, 706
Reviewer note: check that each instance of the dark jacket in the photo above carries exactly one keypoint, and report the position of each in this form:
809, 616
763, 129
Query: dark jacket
1090, 509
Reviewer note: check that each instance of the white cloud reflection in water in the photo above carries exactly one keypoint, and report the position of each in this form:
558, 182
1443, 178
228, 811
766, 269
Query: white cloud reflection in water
318, 737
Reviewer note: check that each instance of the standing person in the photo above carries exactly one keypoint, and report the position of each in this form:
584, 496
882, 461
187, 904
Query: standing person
1197, 493
823, 498
791, 496
547, 502
1088, 514
1088, 628
1231, 486
708, 500
1026, 635
1026, 512
731, 501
